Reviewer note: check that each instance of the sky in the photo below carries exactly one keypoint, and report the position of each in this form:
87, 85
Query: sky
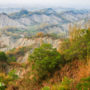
47, 3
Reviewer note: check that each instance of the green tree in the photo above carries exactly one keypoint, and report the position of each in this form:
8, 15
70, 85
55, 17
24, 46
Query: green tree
3, 56
45, 60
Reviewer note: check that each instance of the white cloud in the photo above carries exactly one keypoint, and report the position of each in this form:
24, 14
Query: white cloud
70, 3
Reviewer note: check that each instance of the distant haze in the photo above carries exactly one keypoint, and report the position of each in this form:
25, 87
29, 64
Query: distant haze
46, 3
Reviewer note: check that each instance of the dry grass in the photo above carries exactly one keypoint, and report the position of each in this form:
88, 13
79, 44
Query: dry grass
75, 70
84, 70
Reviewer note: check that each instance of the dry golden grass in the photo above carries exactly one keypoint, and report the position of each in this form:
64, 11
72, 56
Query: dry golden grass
70, 70
75, 70
84, 71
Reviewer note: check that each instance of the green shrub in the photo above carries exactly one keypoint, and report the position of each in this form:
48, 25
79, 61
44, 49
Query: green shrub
84, 84
78, 48
12, 75
5, 79
12, 59
45, 60
3, 56
66, 84
2, 86
46, 88
88, 49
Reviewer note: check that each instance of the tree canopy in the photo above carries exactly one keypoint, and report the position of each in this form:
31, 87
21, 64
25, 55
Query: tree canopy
45, 59
3, 56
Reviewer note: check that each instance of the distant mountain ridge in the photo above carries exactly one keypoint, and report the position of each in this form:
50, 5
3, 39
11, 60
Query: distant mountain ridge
6, 21
49, 16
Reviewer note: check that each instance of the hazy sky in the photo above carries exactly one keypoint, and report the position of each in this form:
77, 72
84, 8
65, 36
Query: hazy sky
49, 3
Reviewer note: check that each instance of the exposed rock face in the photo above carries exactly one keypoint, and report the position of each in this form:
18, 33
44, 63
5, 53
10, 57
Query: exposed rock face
7, 21
34, 43
10, 44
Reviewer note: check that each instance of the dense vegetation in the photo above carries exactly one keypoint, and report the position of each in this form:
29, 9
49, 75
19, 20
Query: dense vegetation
3, 57
78, 47
45, 60
48, 68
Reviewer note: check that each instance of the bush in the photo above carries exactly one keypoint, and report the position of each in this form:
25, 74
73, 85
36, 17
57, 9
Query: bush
45, 60
6, 79
3, 81
12, 59
12, 75
78, 47
46, 88
66, 84
84, 84
2, 87
3, 56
